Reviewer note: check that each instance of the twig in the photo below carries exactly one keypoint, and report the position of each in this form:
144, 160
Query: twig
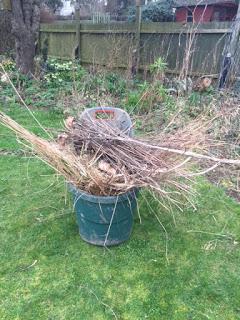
211, 233
100, 301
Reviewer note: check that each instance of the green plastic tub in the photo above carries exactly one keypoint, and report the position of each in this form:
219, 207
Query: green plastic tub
104, 221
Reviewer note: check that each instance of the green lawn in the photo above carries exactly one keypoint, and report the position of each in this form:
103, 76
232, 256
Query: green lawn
48, 272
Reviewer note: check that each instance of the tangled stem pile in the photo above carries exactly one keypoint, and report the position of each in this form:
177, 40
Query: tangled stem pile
101, 160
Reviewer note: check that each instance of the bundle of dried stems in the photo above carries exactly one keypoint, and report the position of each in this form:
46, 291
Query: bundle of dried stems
101, 160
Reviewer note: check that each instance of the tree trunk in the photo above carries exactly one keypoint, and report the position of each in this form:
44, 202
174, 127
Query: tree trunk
25, 53
25, 28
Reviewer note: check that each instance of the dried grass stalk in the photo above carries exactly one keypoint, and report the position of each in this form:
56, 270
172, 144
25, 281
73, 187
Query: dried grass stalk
101, 160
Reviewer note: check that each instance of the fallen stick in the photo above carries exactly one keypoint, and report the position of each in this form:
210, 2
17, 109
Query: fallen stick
184, 152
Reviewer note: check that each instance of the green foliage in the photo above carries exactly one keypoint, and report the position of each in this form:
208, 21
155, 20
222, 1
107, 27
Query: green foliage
159, 66
153, 95
59, 72
198, 103
115, 84
160, 11
132, 101
148, 97
8, 65
66, 87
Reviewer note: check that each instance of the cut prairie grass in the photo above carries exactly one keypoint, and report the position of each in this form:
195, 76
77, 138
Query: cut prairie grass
102, 160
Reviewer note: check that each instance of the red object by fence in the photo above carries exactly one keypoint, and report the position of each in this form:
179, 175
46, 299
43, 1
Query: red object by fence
207, 13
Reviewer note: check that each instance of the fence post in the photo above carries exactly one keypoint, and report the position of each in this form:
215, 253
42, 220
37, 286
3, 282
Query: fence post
136, 52
78, 26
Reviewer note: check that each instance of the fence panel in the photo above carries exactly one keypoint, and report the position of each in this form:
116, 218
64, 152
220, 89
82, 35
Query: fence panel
199, 49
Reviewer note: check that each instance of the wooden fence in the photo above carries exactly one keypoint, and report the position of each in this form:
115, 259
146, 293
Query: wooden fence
98, 17
199, 49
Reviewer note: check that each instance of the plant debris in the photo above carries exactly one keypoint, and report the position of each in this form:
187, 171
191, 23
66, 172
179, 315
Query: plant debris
102, 160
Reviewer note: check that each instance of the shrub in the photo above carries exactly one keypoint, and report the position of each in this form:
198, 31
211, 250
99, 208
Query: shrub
115, 84
160, 11
62, 71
